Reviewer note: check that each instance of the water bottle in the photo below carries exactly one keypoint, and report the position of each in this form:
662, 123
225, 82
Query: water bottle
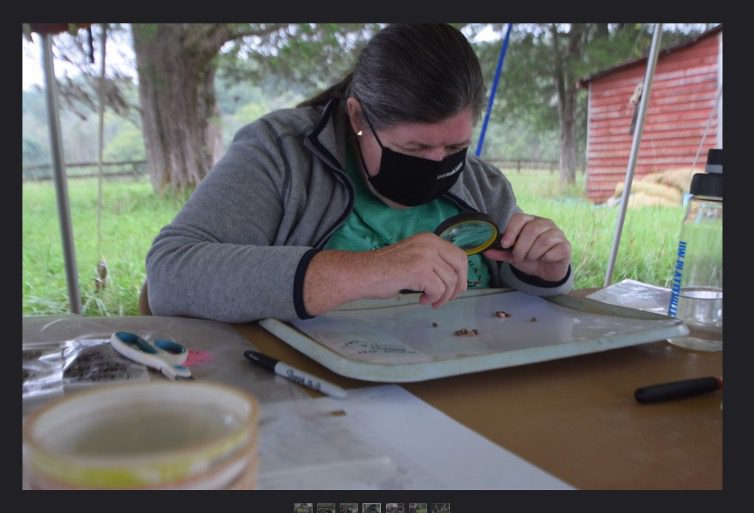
697, 290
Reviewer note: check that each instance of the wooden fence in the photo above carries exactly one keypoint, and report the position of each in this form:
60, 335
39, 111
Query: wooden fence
88, 170
507, 165
139, 168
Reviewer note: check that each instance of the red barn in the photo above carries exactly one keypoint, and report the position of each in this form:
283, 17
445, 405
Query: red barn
682, 103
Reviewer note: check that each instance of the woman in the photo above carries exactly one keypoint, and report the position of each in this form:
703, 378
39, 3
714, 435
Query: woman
336, 199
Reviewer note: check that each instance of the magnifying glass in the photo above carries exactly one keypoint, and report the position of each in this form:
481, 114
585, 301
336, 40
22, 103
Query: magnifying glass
473, 232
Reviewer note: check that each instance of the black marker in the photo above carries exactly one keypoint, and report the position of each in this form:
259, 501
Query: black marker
680, 389
295, 375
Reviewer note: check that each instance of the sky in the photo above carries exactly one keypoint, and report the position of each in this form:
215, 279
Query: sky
31, 66
120, 54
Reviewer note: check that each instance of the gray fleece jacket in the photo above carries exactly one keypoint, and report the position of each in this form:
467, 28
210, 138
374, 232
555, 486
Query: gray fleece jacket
239, 248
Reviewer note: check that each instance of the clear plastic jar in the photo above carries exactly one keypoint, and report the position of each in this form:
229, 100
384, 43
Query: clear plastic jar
697, 289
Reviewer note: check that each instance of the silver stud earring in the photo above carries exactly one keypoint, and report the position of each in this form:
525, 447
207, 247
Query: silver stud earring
360, 133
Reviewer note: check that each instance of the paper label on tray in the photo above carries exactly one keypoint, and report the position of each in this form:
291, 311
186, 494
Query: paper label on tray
375, 348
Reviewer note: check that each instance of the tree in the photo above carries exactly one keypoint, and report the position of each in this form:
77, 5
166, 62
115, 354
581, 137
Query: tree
567, 49
177, 64
176, 67
302, 58
544, 64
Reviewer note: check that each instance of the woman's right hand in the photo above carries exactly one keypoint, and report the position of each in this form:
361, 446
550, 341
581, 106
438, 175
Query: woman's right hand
423, 262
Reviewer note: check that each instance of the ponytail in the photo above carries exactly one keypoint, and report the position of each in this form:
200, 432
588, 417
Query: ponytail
338, 90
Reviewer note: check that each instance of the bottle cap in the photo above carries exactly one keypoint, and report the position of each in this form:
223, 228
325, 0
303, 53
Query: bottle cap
707, 184
714, 160
710, 183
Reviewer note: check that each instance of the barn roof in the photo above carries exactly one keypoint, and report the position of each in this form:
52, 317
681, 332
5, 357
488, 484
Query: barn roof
584, 82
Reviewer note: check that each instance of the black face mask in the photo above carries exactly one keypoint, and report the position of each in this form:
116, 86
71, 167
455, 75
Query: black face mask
410, 180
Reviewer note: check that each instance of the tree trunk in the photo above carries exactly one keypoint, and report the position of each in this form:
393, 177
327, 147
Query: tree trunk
565, 85
567, 114
178, 103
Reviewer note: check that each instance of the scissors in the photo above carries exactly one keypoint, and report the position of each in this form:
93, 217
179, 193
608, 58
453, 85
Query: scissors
162, 354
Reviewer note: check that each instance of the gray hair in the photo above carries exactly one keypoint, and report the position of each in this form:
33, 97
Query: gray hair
421, 73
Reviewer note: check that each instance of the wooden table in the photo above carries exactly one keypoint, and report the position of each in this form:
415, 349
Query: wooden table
577, 417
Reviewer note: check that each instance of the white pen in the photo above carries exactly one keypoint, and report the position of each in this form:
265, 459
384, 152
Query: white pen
295, 375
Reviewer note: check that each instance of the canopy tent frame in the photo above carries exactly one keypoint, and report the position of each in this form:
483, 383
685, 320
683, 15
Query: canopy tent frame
646, 90
493, 89
61, 183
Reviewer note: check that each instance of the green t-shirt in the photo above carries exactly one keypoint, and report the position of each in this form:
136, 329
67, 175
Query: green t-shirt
372, 224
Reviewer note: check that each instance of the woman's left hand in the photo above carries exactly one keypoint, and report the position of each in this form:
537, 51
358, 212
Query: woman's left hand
535, 246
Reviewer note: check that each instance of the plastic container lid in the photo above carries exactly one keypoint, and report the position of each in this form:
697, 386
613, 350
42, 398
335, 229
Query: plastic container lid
714, 161
707, 184
141, 435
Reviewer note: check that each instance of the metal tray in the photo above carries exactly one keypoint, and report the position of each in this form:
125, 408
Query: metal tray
399, 340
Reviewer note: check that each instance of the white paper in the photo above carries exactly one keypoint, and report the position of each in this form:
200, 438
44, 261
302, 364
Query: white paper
383, 437
636, 295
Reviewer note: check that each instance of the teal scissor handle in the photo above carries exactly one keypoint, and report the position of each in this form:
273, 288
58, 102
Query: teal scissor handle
176, 352
162, 354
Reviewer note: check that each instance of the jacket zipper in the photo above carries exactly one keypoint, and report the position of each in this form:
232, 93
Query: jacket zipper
313, 144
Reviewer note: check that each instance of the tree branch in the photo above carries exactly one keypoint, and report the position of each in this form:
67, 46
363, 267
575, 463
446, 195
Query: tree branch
235, 35
207, 39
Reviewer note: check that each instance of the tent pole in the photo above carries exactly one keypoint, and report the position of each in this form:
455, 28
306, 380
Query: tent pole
651, 63
491, 101
61, 186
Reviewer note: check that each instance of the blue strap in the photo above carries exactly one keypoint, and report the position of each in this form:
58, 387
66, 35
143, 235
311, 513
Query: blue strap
498, 71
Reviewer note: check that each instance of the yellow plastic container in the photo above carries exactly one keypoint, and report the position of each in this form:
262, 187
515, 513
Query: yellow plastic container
156, 435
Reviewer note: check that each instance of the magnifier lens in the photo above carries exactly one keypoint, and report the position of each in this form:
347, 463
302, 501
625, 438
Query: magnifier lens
473, 233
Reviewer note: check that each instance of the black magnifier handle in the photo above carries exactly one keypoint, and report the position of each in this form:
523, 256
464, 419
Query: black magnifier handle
497, 245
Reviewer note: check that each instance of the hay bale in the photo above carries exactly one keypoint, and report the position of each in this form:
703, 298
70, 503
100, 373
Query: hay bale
664, 188
668, 193
678, 178
642, 199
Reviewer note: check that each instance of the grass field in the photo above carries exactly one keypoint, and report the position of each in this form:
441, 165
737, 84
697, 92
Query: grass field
648, 241
132, 215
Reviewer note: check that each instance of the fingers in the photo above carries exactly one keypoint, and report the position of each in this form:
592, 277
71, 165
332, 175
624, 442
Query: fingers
516, 223
560, 252
444, 281
554, 263
535, 246
536, 240
458, 263
453, 276
498, 255
438, 287
531, 238
427, 263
